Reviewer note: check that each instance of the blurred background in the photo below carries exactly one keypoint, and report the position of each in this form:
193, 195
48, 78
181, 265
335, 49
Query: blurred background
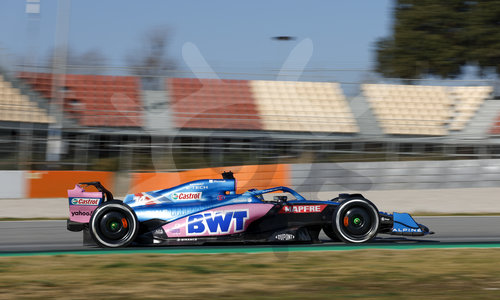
368, 94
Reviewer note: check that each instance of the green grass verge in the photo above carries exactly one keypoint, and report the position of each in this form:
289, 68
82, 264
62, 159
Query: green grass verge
365, 274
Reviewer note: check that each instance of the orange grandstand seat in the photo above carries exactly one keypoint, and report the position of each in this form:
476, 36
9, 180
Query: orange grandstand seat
212, 104
99, 94
495, 128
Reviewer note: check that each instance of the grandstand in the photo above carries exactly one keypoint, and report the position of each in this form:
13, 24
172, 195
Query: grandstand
303, 106
260, 105
285, 106
93, 101
213, 104
16, 107
424, 110
468, 100
495, 128
203, 120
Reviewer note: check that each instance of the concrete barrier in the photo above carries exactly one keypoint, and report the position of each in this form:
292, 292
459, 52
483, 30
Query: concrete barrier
424, 186
358, 176
12, 184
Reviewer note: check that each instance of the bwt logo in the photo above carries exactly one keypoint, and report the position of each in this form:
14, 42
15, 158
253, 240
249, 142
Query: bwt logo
221, 222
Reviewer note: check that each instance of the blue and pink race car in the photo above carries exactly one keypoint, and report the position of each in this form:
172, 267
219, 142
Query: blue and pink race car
210, 210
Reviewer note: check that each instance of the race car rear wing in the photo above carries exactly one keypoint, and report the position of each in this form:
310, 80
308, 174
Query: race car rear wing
100, 188
83, 203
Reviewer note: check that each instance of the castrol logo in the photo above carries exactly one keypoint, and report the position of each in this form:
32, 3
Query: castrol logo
85, 201
187, 196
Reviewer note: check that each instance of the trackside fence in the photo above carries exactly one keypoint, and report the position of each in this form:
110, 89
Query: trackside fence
318, 177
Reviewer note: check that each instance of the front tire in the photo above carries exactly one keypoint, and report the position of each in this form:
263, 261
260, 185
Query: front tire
356, 221
113, 224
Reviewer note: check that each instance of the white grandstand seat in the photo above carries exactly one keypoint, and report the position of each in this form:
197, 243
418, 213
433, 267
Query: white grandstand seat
439, 108
306, 106
468, 100
15, 107
406, 109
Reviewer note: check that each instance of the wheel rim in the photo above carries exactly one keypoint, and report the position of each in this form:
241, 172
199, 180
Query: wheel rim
357, 221
113, 226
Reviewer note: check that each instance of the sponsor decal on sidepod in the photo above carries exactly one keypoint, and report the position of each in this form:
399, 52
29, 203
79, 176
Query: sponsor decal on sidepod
217, 222
302, 209
198, 187
187, 196
146, 199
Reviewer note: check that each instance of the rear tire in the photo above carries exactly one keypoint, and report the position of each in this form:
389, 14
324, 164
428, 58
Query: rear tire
113, 224
356, 221
328, 230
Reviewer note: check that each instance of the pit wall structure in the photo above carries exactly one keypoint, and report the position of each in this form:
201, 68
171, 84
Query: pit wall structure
305, 178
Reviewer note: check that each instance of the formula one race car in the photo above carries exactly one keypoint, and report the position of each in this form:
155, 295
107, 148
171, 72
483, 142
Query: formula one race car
210, 210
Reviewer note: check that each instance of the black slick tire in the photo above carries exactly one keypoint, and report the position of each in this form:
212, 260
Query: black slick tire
355, 221
328, 230
113, 224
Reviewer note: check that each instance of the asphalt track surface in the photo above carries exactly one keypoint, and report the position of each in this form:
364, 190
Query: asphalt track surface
52, 236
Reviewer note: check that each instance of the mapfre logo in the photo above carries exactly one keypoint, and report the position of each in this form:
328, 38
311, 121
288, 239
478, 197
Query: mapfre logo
85, 201
187, 196
302, 209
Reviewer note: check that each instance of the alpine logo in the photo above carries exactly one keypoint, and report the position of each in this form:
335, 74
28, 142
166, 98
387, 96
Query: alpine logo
213, 223
302, 209
406, 230
187, 196
85, 201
